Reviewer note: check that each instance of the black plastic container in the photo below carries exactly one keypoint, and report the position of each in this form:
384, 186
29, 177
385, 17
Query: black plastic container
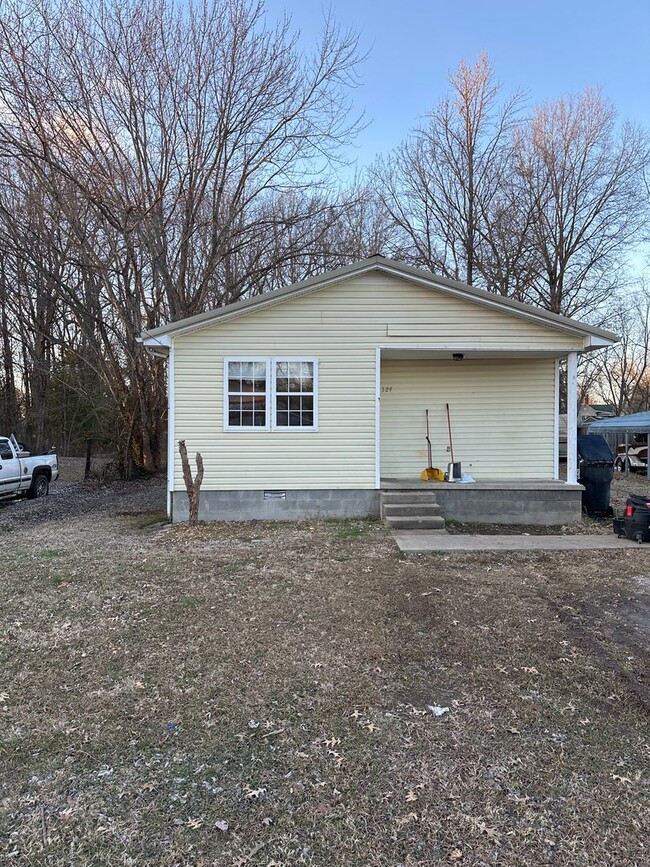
596, 473
635, 524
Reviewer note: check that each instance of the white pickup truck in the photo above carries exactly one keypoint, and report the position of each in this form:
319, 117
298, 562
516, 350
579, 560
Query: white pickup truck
23, 474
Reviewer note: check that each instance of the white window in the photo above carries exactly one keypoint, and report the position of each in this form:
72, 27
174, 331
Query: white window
294, 394
247, 392
271, 394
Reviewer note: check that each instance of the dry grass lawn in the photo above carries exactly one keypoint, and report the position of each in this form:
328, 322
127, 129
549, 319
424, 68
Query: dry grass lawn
264, 695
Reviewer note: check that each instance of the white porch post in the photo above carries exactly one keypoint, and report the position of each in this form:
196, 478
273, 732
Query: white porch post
171, 446
572, 418
556, 423
377, 418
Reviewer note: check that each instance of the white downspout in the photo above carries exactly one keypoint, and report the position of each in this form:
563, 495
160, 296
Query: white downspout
572, 418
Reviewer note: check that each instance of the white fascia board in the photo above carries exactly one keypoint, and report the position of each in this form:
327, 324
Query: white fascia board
159, 346
594, 342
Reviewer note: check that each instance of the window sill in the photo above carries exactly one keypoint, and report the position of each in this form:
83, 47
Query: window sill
270, 430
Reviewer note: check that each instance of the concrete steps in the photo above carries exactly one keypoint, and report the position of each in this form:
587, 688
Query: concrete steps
411, 510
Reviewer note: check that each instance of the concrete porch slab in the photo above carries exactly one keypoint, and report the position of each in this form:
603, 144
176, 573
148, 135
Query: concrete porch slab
409, 484
533, 501
421, 542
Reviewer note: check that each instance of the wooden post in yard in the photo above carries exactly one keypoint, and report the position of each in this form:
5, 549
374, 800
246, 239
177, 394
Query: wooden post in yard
89, 449
192, 486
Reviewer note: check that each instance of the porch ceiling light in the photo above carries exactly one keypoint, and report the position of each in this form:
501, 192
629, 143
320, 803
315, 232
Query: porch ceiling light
458, 356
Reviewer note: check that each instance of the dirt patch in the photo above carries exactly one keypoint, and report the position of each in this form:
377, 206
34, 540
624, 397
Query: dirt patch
305, 694
588, 526
616, 628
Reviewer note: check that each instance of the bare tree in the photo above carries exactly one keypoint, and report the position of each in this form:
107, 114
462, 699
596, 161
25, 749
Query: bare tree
170, 145
583, 175
620, 375
543, 209
446, 187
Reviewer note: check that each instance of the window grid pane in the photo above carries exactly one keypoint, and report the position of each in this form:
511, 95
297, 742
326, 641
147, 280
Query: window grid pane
247, 394
248, 397
294, 394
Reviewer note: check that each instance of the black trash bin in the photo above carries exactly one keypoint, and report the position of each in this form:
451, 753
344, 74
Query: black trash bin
596, 473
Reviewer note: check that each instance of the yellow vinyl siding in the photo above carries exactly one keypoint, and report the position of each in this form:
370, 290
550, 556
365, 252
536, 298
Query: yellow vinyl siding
341, 325
501, 416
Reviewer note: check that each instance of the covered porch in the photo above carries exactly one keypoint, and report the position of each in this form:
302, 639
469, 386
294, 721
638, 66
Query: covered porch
504, 420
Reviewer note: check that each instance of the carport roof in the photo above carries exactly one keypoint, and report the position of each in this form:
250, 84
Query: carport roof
638, 422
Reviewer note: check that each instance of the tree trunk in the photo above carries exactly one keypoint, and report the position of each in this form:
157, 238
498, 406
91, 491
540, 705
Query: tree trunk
192, 486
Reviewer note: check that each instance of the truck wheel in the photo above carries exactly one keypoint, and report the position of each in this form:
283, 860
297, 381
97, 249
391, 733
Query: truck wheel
40, 487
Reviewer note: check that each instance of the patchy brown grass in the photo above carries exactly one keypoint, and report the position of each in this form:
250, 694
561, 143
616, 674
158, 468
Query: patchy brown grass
628, 483
261, 694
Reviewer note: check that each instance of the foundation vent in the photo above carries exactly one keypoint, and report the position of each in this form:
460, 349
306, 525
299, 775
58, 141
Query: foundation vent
275, 495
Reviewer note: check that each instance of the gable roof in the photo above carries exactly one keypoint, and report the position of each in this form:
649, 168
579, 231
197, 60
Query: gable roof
599, 336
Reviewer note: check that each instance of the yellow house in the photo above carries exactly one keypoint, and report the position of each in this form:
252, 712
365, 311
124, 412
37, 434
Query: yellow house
309, 400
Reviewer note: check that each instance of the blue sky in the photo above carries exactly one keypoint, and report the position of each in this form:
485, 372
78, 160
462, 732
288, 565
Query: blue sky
545, 49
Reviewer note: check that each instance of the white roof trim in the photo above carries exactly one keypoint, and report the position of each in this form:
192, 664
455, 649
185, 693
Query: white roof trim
158, 346
595, 337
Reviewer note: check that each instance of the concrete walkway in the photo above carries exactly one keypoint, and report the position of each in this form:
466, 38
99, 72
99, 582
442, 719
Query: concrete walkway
421, 541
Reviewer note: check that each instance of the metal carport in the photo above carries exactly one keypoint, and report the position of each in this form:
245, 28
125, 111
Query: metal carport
638, 422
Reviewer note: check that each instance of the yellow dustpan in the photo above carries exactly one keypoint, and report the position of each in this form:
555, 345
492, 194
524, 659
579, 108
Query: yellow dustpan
430, 473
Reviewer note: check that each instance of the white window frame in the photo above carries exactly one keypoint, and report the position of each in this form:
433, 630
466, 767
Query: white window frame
226, 394
274, 406
271, 395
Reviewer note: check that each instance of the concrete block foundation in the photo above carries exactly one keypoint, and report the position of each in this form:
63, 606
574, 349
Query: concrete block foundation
552, 503
293, 506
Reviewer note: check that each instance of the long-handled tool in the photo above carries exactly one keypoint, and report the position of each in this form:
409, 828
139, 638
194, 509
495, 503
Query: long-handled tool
430, 474
453, 469
451, 441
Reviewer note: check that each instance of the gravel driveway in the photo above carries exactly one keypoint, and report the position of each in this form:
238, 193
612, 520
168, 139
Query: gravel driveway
73, 499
